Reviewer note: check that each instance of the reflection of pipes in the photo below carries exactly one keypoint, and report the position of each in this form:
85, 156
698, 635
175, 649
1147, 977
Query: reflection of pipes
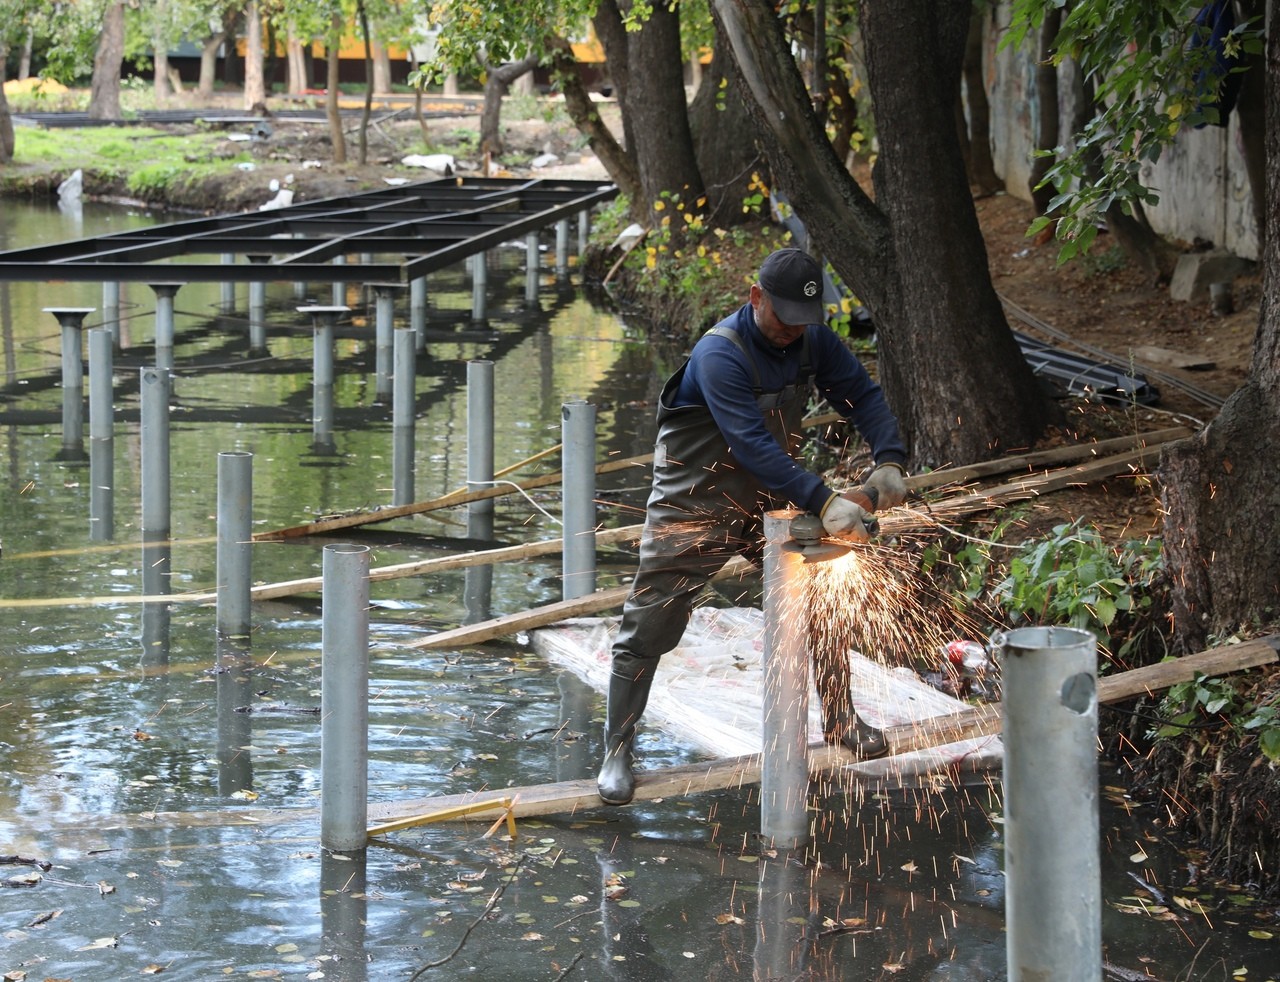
627, 952
101, 434
155, 613
235, 542
344, 698
784, 766
383, 338
235, 691
479, 288
578, 437
258, 310
562, 248
784, 910
1052, 866
227, 292
343, 916
575, 758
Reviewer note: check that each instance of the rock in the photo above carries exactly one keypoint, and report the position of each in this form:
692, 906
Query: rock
1196, 270
543, 160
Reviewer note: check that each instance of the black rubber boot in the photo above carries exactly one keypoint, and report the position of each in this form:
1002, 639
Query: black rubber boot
840, 722
616, 784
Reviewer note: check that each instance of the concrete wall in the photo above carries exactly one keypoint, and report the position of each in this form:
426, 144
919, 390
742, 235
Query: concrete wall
1200, 179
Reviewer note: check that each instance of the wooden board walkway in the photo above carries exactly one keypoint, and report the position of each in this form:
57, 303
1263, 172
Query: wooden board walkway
569, 797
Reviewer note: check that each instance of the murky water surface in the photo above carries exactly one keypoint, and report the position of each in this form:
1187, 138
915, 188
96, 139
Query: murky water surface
173, 807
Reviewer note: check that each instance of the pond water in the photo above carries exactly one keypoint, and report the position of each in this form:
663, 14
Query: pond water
178, 833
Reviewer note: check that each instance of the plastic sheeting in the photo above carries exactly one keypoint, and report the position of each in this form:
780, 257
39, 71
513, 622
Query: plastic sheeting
708, 692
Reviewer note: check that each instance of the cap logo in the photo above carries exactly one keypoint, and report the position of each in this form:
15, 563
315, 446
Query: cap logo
811, 289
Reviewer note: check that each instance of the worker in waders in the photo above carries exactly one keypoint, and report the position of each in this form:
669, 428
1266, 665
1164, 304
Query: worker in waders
728, 432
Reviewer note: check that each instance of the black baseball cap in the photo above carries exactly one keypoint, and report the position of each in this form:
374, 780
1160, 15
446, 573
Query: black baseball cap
792, 279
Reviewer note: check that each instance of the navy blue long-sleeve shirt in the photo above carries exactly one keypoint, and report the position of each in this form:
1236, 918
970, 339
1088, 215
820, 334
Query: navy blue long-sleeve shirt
719, 377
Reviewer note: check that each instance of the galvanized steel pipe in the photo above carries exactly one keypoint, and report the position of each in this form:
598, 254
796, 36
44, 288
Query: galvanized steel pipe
111, 309
479, 287
235, 542
71, 320
344, 698
578, 437
480, 433
154, 396
532, 268
784, 764
101, 436
1052, 861
402, 416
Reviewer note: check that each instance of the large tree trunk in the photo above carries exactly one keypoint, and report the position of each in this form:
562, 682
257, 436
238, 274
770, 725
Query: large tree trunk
381, 70
496, 86
332, 110
1048, 127
649, 76
982, 169
949, 364
724, 143
1251, 114
296, 80
209, 64
255, 91
160, 42
1221, 495
104, 90
619, 164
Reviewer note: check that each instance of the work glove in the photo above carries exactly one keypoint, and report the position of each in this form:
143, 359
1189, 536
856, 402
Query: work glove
845, 520
888, 481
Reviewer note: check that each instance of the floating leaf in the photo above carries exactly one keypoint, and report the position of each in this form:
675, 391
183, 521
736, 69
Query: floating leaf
1138, 857
285, 949
153, 969
1261, 935
105, 888
909, 867
531, 936
112, 942
170, 863
729, 919
1187, 903
244, 794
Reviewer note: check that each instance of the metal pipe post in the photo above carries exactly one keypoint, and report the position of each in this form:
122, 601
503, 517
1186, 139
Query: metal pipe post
418, 309
532, 270
402, 413
101, 436
339, 288
323, 320
562, 247
584, 230
165, 292
383, 338
258, 309
111, 309
344, 698
480, 434
784, 771
71, 320
154, 389
235, 542
479, 287
578, 436
1053, 900
227, 296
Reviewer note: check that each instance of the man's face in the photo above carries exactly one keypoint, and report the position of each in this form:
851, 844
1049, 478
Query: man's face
775, 331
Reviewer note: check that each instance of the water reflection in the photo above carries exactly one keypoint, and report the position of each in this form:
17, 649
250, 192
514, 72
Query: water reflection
343, 915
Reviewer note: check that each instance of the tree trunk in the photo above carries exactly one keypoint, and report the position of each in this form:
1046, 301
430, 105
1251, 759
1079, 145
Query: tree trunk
104, 90
6, 120
724, 143
381, 70
577, 103
1251, 114
296, 67
255, 92
497, 85
949, 364
650, 82
982, 169
209, 61
331, 108
1048, 129
367, 110
1220, 493
162, 85
24, 58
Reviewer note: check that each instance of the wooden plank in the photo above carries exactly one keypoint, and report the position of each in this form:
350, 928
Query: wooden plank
497, 627
420, 567
357, 519
1155, 355
568, 797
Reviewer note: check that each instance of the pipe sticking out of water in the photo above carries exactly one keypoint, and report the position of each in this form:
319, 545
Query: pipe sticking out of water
403, 384
784, 765
1052, 867
235, 542
344, 698
578, 437
71, 320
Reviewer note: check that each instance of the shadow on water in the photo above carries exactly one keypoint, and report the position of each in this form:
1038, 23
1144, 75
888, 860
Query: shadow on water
159, 796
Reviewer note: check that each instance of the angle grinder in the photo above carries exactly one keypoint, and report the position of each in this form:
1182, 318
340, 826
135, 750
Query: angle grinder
809, 535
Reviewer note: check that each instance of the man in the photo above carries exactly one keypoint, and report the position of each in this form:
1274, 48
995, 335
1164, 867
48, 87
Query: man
728, 429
